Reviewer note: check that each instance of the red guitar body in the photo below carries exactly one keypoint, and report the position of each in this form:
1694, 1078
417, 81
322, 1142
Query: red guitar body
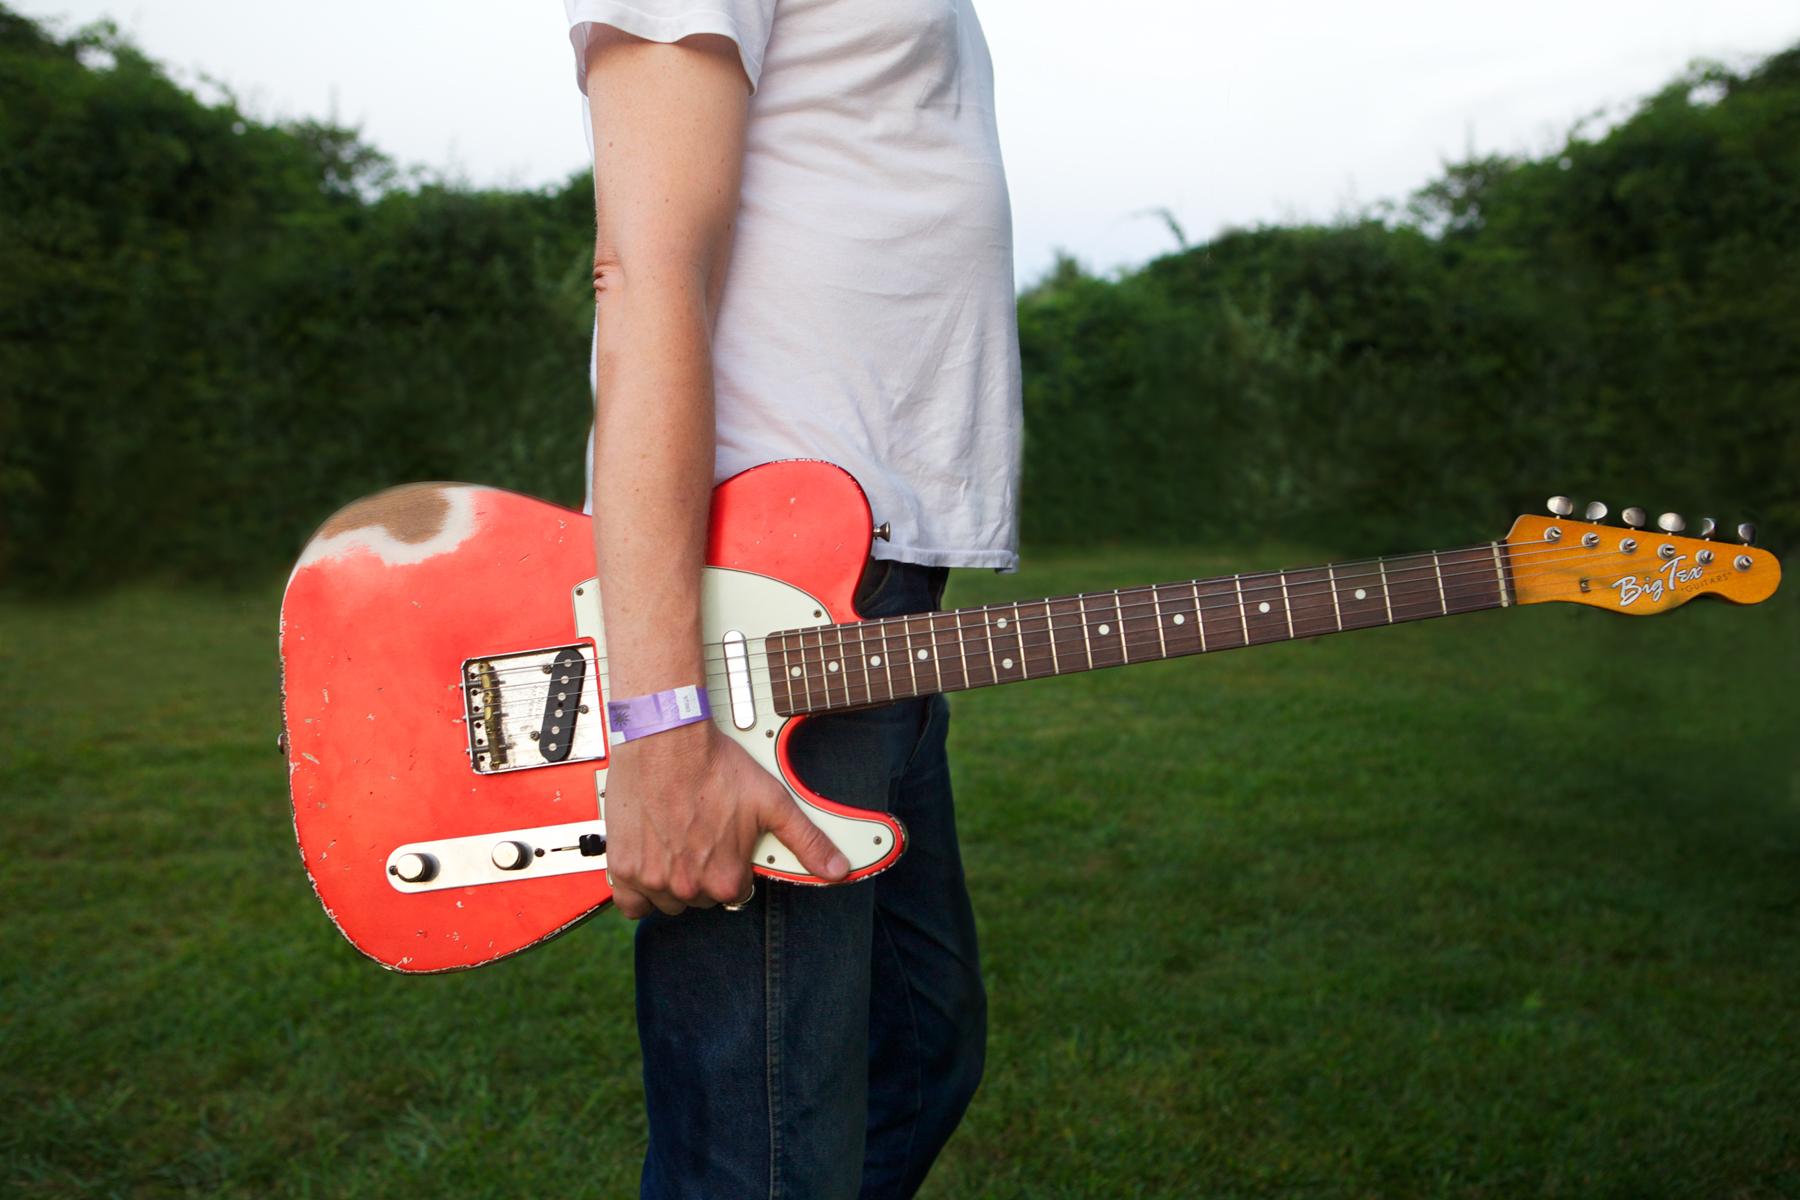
384, 627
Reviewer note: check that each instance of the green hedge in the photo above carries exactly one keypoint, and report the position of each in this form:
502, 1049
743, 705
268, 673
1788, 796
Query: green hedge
1619, 320
214, 331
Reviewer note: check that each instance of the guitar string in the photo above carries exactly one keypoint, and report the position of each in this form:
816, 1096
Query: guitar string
1480, 568
1031, 648
814, 691
816, 688
761, 678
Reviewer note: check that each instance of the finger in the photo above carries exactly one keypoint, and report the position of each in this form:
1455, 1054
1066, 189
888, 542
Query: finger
728, 887
816, 852
631, 904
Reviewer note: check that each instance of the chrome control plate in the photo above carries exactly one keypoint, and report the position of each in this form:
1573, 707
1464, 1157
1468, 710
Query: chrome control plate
469, 861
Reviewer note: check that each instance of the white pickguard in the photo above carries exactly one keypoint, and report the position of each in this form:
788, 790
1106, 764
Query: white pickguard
750, 604
754, 605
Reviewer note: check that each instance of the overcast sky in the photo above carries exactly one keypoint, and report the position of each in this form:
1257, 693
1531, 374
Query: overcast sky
1224, 114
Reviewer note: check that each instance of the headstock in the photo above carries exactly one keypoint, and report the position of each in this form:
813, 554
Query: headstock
1632, 570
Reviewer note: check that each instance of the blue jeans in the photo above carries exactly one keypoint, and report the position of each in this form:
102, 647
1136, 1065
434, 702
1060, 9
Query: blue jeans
824, 1042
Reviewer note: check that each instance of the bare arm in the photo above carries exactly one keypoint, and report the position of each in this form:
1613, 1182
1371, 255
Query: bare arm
683, 808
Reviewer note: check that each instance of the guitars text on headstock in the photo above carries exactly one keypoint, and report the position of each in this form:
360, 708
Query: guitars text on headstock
1630, 571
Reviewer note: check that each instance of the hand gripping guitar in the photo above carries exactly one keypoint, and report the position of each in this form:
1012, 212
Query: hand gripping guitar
444, 675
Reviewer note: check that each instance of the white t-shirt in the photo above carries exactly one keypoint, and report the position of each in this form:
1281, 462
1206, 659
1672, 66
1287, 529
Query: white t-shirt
868, 313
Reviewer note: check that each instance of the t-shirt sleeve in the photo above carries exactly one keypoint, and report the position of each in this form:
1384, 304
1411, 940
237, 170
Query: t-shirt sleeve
745, 22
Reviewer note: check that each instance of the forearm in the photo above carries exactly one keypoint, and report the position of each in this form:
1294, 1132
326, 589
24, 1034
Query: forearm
668, 122
653, 459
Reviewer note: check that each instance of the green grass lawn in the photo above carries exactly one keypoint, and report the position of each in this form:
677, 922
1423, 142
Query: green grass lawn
1505, 905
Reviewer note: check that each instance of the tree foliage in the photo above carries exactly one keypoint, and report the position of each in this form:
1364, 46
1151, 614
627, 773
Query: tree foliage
1618, 320
214, 331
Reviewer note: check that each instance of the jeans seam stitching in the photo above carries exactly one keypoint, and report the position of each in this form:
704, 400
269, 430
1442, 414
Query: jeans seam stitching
772, 1024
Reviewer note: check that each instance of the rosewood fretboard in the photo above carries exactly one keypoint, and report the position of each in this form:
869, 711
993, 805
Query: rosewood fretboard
873, 662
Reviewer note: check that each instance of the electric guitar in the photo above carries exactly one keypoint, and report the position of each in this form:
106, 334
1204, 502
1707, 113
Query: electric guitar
444, 674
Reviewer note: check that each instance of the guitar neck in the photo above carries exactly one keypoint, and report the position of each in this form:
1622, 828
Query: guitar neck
838, 667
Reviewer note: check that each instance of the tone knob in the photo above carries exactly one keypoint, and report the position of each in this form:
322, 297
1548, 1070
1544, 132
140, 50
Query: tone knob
512, 856
415, 868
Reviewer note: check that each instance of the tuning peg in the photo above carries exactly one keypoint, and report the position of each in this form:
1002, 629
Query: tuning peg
1747, 534
1633, 517
1560, 506
1596, 511
1671, 523
1708, 527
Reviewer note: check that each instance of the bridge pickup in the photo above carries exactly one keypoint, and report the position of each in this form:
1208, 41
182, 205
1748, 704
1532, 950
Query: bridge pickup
562, 706
533, 709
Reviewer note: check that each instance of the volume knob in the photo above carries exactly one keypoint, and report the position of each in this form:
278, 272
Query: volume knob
415, 868
512, 856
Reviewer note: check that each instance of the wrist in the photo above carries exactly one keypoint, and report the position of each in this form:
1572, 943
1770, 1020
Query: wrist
658, 713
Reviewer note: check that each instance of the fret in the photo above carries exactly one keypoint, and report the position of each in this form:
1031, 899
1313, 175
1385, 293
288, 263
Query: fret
1221, 617
1016, 642
933, 660
987, 633
906, 648
1088, 643
879, 659
1469, 582
853, 664
1009, 644
1140, 623
778, 672
834, 668
818, 693
1264, 612
1413, 589
961, 663
1119, 617
1361, 599
1162, 642
860, 659
1312, 602
1098, 630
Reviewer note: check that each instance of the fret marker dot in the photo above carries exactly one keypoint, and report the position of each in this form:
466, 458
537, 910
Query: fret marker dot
1361, 595
1105, 629
1263, 607
794, 671
831, 666
1007, 663
923, 655
874, 660
1002, 622
1180, 620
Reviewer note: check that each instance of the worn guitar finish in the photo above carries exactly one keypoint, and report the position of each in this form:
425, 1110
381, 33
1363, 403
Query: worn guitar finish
444, 676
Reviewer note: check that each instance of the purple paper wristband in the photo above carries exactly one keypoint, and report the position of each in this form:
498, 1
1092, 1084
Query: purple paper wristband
658, 712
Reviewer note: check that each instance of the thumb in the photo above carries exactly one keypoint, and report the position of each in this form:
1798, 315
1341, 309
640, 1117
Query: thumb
816, 852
